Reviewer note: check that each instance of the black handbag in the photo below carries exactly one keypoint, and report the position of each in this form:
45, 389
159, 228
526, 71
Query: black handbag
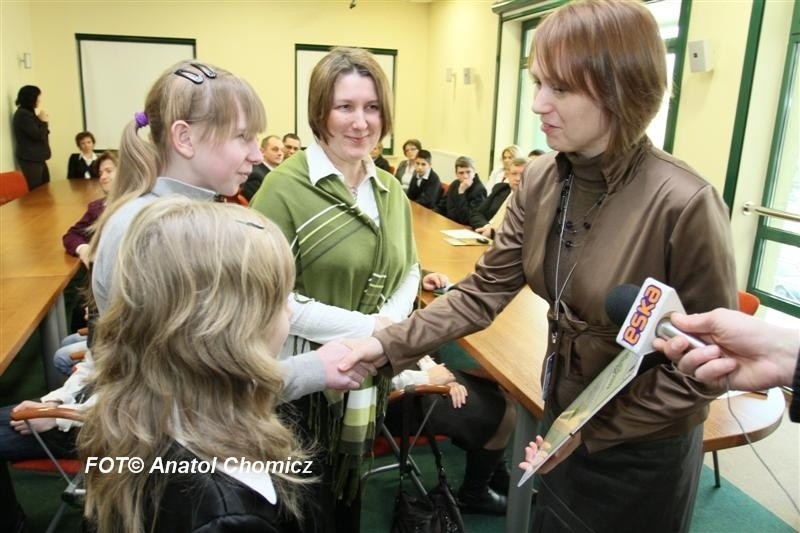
435, 512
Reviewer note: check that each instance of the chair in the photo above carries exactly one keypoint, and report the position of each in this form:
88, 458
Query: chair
69, 469
748, 303
388, 442
237, 198
12, 186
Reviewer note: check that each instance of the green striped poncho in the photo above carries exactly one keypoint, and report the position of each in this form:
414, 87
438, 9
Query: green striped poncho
343, 259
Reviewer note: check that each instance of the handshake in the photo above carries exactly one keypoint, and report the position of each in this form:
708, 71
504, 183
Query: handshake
348, 361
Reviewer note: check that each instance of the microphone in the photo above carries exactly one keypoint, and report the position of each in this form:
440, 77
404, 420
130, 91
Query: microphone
644, 315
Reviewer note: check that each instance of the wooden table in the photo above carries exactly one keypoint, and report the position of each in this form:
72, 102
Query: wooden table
511, 350
35, 269
759, 413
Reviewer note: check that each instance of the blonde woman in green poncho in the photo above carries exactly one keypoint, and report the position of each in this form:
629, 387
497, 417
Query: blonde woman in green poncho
349, 226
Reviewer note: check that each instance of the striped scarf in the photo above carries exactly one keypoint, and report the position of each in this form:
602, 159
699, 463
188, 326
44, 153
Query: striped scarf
344, 259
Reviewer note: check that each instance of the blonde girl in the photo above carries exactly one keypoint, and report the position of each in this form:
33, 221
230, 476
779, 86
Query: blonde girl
191, 374
202, 123
508, 155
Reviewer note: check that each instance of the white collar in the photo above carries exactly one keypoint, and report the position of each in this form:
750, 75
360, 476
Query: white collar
320, 166
259, 482
424, 176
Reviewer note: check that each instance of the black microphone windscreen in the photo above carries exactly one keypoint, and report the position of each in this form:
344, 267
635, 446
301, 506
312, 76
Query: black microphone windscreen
619, 302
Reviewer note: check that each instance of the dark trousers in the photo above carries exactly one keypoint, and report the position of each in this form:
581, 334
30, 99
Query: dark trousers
36, 173
631, 487
16, 447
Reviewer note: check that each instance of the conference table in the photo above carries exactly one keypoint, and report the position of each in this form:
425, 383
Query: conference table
35, 269
511, 351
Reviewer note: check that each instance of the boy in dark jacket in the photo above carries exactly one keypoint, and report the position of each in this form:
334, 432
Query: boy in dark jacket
465, 194
425, 187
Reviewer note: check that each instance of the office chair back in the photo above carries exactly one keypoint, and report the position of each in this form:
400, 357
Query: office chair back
748, 303
12, 186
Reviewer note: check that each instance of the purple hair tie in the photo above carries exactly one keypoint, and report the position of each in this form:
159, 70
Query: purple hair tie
141, 119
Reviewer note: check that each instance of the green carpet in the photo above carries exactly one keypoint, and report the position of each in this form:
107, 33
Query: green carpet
726, 509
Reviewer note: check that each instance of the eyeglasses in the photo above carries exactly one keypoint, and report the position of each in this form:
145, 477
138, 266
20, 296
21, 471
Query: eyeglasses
194, 77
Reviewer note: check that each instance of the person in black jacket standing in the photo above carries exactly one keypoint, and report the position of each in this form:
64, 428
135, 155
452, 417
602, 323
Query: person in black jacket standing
425, 187
31, 134
465, 194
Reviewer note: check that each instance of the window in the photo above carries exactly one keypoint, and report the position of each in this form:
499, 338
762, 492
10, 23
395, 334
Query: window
775, 269
671, 18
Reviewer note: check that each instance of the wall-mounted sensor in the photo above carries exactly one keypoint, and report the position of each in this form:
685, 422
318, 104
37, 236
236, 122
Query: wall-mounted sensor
700, 57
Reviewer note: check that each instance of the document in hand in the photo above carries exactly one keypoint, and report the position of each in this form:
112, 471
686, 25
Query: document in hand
605, 386
464, 237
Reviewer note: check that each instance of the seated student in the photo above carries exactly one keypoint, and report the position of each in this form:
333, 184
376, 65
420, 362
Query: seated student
425, 187
405, 170
272, 151
291, 145
479, 418
83, 164
17, 443
508, 154
533, 154
76, 242
488, 216
76, 239
465, 194
191, 372
377, 157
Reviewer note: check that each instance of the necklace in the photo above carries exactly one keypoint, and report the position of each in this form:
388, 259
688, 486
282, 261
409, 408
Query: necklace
569, 227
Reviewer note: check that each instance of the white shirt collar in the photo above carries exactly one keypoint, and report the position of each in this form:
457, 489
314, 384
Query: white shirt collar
260, 482
424, 176
320, 166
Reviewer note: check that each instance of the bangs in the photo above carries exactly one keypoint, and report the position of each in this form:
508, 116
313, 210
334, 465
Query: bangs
566, 57
230, 96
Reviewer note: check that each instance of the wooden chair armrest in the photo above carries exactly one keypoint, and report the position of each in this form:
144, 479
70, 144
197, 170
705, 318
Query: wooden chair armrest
420, 389
48, 412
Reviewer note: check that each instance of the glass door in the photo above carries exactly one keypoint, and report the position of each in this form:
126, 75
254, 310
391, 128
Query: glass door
775, 269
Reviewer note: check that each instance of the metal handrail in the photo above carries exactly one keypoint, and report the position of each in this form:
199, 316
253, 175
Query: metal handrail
748, 208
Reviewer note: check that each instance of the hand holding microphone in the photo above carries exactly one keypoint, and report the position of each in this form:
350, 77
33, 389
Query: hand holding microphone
753, 355
645, 315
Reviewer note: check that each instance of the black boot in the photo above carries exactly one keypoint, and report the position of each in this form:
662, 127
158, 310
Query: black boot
500, 479
475, 496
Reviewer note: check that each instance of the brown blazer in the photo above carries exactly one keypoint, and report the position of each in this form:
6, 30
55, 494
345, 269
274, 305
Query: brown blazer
661, 220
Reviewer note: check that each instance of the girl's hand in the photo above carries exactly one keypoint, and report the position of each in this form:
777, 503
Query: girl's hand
458, 394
